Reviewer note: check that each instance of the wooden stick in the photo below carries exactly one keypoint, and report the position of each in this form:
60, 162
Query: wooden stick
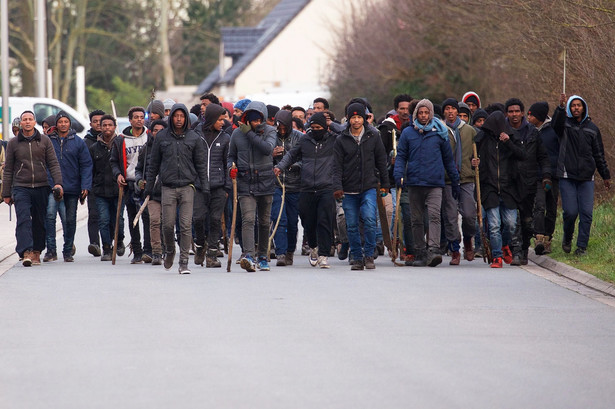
233, 221
277, 223
140, 212
117, 224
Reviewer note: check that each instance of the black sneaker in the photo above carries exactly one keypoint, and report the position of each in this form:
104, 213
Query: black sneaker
342, 253
434, 259
50, 256
94, 249
137, 259
121, 248
157, 260
580, 251
357, 265
567, 246
168, 260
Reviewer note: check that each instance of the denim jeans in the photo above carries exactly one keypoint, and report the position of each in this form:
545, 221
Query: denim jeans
53, 210
577, 201
502, 222
361, 207
30, 211
107, 212
286, 235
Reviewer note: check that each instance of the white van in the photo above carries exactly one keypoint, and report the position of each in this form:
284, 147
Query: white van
42, 108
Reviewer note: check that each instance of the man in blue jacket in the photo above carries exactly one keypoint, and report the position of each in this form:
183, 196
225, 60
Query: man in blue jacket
76, 167
423, 155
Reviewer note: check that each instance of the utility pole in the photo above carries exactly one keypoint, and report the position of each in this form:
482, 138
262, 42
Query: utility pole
4, 58
41, 47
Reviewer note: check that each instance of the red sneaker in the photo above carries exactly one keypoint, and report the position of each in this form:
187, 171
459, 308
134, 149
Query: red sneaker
507, 254
497, 262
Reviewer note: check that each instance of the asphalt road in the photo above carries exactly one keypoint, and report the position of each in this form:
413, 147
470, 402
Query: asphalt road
91, 335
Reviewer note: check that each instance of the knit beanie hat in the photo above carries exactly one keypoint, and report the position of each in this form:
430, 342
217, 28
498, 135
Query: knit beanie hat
452, 102
242, 104
463, 107
253, 115
50, 120
471, 96
356, 109
17, 122
168, 103
62, 114
479, 113
424, 103
540, 110
271, 111
319, 119
157, 107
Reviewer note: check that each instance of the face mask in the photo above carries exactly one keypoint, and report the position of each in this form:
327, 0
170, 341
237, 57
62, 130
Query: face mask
318, 135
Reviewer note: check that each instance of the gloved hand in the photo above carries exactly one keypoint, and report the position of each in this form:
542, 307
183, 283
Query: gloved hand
338, 194
245, 128
260, 129
141, 184
456, 190
546, 184
233, 173
399, 183
383, 192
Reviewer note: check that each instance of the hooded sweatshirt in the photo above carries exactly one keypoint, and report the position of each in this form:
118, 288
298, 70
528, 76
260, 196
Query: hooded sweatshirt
252, 153
178, 157
291, 177
581, 149
216, 144
125, 153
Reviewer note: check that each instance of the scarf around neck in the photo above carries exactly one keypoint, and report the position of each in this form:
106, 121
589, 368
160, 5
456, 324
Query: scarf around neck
436, 124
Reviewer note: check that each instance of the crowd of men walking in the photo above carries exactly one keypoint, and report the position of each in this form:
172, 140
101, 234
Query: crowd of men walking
403, 181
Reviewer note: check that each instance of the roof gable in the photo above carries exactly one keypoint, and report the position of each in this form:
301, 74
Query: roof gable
246, 43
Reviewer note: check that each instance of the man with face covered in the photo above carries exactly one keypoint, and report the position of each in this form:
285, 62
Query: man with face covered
179, 160
208, 208
286, 235
581, 154
251, 151
316, 201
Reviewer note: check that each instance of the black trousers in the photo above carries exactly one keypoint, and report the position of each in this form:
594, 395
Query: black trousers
317, 211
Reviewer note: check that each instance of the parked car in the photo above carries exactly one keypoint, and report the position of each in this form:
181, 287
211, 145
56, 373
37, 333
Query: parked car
42, 108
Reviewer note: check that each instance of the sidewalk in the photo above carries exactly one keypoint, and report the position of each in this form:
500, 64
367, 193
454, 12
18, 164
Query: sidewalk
7, 227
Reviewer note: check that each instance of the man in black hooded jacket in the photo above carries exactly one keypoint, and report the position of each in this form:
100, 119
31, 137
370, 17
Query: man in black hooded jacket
208, 208
178, 157
499, 154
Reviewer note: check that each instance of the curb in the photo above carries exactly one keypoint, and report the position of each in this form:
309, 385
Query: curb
573, 274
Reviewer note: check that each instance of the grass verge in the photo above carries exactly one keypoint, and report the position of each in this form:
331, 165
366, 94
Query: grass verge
600, 258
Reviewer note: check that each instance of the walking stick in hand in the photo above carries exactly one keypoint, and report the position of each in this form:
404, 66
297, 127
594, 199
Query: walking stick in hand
479, 213
117, 224
233, 220
277, 223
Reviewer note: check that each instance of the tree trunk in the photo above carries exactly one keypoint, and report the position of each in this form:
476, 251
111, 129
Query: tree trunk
167, 69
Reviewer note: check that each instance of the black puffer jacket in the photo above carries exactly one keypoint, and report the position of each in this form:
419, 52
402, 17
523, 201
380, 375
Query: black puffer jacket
216, 146
317, 159
178, 157
104, 183
291, 177
499, 174
536, 159
360, 167
581, 151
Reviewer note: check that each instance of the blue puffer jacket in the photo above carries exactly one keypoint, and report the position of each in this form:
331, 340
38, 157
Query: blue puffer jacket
422, 159
75, 162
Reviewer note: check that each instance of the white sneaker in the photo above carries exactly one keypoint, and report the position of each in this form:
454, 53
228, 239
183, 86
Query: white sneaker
323, 262
314, 256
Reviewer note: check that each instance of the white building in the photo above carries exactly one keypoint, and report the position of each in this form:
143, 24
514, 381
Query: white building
286, 59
